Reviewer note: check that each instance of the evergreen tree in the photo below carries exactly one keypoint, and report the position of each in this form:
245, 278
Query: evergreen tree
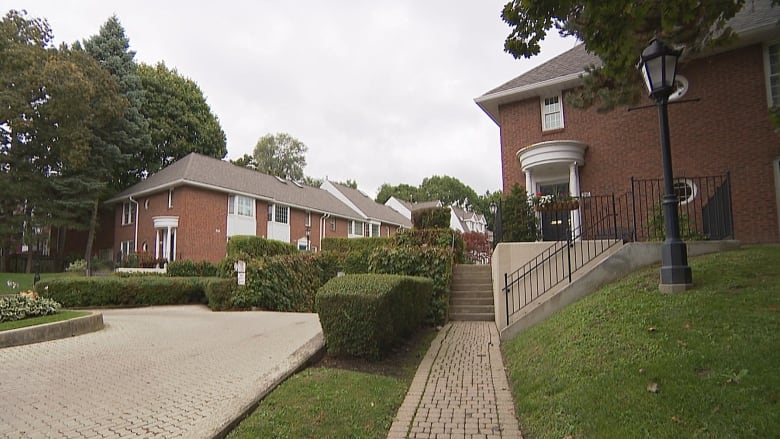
518, 218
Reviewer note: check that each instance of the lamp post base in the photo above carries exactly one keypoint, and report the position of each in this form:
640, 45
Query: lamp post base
675, 272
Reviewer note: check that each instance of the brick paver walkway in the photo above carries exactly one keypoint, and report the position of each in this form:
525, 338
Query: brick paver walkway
152, 372
460, 389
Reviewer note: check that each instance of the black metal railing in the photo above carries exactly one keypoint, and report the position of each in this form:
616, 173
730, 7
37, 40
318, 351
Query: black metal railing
606, 220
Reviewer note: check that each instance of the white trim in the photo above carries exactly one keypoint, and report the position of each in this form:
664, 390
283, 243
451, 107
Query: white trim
543, 104
554, 151
768, 72
776, 164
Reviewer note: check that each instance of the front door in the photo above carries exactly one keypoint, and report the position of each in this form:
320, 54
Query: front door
555, 224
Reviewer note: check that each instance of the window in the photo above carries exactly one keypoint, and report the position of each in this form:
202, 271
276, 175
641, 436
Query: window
333, 224
127, 247
170, 198
374, 229
240, 205
773, 74
281, 214
685, 190
356, 228
552, 113
128, 213
307, 221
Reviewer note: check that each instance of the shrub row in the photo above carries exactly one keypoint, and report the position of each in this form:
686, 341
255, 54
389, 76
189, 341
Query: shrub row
364, 315
431, 218
26, 305
352, 255
440, 238
280, 283
433, 263
124, 291
251, 247
188, 268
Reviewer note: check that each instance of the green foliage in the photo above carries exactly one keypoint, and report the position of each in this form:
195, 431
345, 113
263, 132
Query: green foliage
517, 217
448, 190
364, 315
656, 227
219, 293
77, 266
247, 246
430, 262
431, 218
180, 120
280, 283
122, 291
617, 32
281, 155
442, 238
352, 254
26, 305
402, 192
189, 268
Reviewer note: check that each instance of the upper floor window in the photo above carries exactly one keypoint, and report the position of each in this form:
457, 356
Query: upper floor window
128, 212
170, 198
241, 205
773, 73
307, 220
552, 113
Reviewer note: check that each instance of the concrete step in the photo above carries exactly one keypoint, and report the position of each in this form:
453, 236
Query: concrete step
471, 309
472, 317
455, 301
470, 294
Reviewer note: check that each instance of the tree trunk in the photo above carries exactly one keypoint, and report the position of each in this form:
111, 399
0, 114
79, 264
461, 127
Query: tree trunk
62, 234
3, 259
28, 268
91, 237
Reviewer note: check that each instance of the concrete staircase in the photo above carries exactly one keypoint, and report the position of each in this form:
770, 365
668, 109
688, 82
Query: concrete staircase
471, 293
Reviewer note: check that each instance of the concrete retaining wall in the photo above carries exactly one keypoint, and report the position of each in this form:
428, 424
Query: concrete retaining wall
52, 331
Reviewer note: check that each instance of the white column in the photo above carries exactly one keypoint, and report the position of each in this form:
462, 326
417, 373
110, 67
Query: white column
167, 243
157, 243
574, 188
529, 183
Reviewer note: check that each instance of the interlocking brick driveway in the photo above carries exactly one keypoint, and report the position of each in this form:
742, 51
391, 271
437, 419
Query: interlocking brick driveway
180, 371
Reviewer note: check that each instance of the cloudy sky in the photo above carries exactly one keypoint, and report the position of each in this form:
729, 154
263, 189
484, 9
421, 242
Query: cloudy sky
380, 92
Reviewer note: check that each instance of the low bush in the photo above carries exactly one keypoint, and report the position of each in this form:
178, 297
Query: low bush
441, 238
352, 254
219, 293
364, 315
122, 291
189, 268
433, 263
280, 283
24, 305
250, 247
77, 266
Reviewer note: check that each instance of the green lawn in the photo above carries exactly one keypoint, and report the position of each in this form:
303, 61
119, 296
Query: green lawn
62, 315
24, 280
326, 402
629, 362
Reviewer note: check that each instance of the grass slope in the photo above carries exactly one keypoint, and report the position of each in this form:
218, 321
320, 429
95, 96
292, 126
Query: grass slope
630, 362
24, 280
32, 321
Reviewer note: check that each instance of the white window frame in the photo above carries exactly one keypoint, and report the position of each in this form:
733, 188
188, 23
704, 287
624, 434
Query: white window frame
241, 206
128, 213
333, 224
281, 214
375, 230
771, 99
170, 198
127, 247
307, 220
544, 111
353, 228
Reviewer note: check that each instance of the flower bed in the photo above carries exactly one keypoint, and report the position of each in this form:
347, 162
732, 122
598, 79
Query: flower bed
26, 304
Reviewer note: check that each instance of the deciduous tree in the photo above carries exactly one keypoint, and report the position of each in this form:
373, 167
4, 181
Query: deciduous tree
281, 155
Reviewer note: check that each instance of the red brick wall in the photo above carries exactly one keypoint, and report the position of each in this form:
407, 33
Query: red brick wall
727, 130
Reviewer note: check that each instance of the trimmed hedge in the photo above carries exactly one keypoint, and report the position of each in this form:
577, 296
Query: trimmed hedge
352, 254
250, 247
433, 263
431, 218
280, 283
189, 268
364, 315
123, 291
219, 293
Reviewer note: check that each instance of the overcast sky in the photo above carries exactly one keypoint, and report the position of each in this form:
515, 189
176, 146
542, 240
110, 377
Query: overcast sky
380, 92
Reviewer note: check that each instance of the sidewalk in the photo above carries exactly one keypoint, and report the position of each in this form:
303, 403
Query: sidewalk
460, 389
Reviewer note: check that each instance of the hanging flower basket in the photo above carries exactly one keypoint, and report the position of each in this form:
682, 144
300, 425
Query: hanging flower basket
558, 206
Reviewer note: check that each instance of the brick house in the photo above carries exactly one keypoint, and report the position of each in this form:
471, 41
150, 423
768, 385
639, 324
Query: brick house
189, 209
461, 219
719, 126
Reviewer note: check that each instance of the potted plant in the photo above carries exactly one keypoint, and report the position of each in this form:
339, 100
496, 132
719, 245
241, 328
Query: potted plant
554, 202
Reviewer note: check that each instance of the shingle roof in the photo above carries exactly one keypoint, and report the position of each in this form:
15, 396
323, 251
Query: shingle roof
199, 170
371, 208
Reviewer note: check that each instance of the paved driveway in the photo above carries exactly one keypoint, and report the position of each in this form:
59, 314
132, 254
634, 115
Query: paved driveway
175, 371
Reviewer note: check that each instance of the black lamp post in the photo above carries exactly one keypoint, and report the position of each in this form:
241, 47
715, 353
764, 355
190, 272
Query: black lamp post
495, 210
37, 232
308, 237
658, 64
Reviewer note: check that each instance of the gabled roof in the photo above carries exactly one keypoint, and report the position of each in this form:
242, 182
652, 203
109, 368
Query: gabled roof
214, 174
464, 214
755, 22
370, 209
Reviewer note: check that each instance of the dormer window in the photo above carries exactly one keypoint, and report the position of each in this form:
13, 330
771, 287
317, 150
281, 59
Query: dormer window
552, 113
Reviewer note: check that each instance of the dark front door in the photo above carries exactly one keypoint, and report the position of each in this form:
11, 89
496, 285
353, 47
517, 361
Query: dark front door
555, 224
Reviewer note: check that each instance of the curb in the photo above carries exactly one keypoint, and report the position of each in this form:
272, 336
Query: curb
52, 331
